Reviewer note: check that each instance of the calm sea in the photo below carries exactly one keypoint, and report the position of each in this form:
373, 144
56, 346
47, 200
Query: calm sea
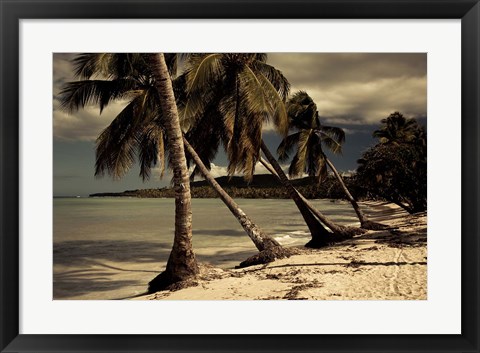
122, 233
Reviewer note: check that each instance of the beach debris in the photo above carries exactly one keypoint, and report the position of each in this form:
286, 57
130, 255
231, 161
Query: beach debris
266, 256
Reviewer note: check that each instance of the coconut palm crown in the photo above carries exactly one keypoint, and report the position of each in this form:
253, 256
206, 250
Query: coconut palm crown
137, 132
308, 137
396, 129
245, 92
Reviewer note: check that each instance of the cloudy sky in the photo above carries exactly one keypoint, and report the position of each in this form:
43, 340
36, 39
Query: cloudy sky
353, 91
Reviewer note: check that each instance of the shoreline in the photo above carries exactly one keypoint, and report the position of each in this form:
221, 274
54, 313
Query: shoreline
377, 265
396, 258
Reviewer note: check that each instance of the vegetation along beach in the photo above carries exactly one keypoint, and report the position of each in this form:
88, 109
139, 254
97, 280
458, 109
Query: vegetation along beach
240, 176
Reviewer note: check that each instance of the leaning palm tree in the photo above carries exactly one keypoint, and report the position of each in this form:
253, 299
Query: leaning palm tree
138, 130
309, 138
113, 82
247, 93
205, 137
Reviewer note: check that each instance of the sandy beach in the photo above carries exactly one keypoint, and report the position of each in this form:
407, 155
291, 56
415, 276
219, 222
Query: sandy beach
377, 265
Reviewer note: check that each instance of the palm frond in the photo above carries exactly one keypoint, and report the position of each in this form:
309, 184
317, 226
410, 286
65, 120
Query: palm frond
151, 150
287, 145
242, 135
278, 111
205, 137
316, 164
322, 169
87, 65
252, 92
275, 77
260, 57
397, 129
332, 137
297, 166
79, 94
171, 60
115, 148
301, 110
118, 144
203, 72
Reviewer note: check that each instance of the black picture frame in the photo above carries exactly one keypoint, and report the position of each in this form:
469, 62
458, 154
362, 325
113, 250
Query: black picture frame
12, 11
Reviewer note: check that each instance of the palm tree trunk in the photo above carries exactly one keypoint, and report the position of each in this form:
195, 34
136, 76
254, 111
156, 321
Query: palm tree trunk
320, 236
365, 223
338, 230
181, 263
261, 240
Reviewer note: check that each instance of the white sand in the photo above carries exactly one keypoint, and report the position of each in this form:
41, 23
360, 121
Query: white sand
374, 266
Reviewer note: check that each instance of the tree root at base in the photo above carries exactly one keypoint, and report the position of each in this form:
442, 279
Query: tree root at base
341, 234
164, 281
266, 256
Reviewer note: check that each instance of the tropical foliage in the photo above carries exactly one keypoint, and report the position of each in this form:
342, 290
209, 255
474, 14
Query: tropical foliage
396, 168
308, 139
144, 81
245, 92
230, 96
225, 100
397, 129
139, 132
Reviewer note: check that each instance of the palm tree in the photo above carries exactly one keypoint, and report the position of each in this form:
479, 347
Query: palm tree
205, 137
138, 129
181, 263
247, 92
396, 168
309, 138
261, 240
133, 122
133, 126
340, 232
397, 129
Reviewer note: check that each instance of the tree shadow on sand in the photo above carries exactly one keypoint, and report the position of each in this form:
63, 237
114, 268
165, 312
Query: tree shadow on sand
346, 264
80, 252
91, 267
90, 282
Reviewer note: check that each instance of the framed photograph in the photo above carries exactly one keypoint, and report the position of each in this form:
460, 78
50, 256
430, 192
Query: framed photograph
127, 127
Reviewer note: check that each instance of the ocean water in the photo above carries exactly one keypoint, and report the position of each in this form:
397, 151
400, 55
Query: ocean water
123, 235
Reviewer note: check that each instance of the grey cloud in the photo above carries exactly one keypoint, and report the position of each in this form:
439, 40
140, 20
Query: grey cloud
334, 68
349, 88
358, 88
83, 125
62, 71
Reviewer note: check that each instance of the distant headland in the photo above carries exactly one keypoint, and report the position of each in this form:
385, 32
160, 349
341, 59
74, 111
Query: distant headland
263, 186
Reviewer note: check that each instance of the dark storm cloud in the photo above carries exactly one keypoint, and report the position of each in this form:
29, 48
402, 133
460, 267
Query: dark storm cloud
359, 88
349, 89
